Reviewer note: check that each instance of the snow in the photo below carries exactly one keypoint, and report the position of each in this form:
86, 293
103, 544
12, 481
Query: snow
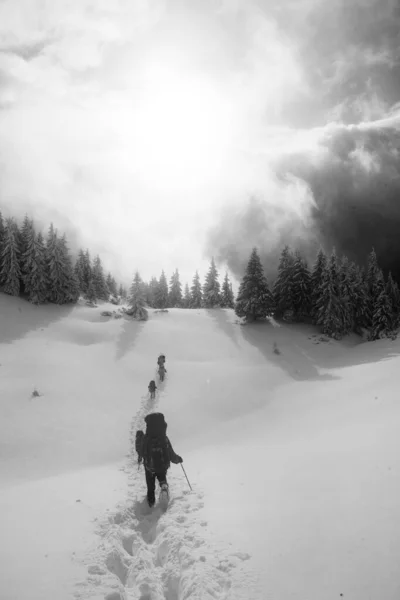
292, 455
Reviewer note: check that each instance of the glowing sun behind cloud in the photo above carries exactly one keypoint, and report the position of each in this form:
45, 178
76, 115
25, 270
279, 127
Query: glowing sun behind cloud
181, 128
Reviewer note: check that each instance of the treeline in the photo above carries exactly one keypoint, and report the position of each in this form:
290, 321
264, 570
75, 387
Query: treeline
42, 270
158, 294
335, 294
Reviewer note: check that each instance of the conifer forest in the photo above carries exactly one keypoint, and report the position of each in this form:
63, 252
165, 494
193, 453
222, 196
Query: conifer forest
334, 294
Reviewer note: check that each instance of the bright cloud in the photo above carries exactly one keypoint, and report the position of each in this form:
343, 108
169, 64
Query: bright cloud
134, 123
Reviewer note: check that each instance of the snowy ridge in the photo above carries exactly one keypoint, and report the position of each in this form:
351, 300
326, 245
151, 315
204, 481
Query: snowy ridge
153, 554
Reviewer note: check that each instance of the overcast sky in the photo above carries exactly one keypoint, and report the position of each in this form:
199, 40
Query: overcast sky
143, 128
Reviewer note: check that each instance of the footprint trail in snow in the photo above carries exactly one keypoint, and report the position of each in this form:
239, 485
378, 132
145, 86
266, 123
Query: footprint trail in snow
160, 553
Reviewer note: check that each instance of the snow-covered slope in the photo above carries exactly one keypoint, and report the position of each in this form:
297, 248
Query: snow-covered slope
290, 444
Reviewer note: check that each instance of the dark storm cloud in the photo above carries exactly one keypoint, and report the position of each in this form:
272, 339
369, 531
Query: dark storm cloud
356, 189
349, 53
354, 184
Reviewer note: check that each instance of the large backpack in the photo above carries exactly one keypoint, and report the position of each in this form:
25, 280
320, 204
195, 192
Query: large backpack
139, 445
155, 444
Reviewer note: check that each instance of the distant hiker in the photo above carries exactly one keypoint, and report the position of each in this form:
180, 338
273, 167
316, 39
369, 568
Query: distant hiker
156, 452
161, 371
161, 360
152, 389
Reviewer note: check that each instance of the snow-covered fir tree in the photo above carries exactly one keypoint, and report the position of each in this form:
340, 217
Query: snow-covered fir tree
175, 291
331, 312
26, 230
300, 288
111, 285
122, 292
63, 285
10, 273
99, 280
35, 272
196, 294
137, 299
381, 323
360, 305
392, 290
254, 300
83, 271
1, 231
87, 268
90, 294
26, 237
72, 287
317, 275
347, 294
227, 298
162, 292
80, 271
152, 292
372, 280
186, 297
211, 287
283, 286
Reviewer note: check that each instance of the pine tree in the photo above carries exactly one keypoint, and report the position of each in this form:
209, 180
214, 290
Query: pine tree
26, 229
196, 294
26, 241
347, 294
10, 273
283, 286
87, 269
80, 271
121, 291
99, 281
162, 292
175, 291
331, 311
35, 278
392, 290
137, 298
57, 269
152, 292
372, 279
317, 275
227, 299
301, 287
186, 298
211, 287
381, 323
254, 300
1, 232
111, 284
90, 294
72, 288
114, 286
361, 316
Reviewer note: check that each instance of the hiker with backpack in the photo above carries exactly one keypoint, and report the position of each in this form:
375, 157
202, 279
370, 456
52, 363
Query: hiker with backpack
152, 389
161, 360
156, 452
161, 372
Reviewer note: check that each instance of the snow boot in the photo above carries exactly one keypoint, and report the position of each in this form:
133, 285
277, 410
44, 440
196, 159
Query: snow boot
164, 494
151, 502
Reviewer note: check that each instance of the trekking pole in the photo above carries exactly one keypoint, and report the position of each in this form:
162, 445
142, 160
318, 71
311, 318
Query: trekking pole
186, 476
